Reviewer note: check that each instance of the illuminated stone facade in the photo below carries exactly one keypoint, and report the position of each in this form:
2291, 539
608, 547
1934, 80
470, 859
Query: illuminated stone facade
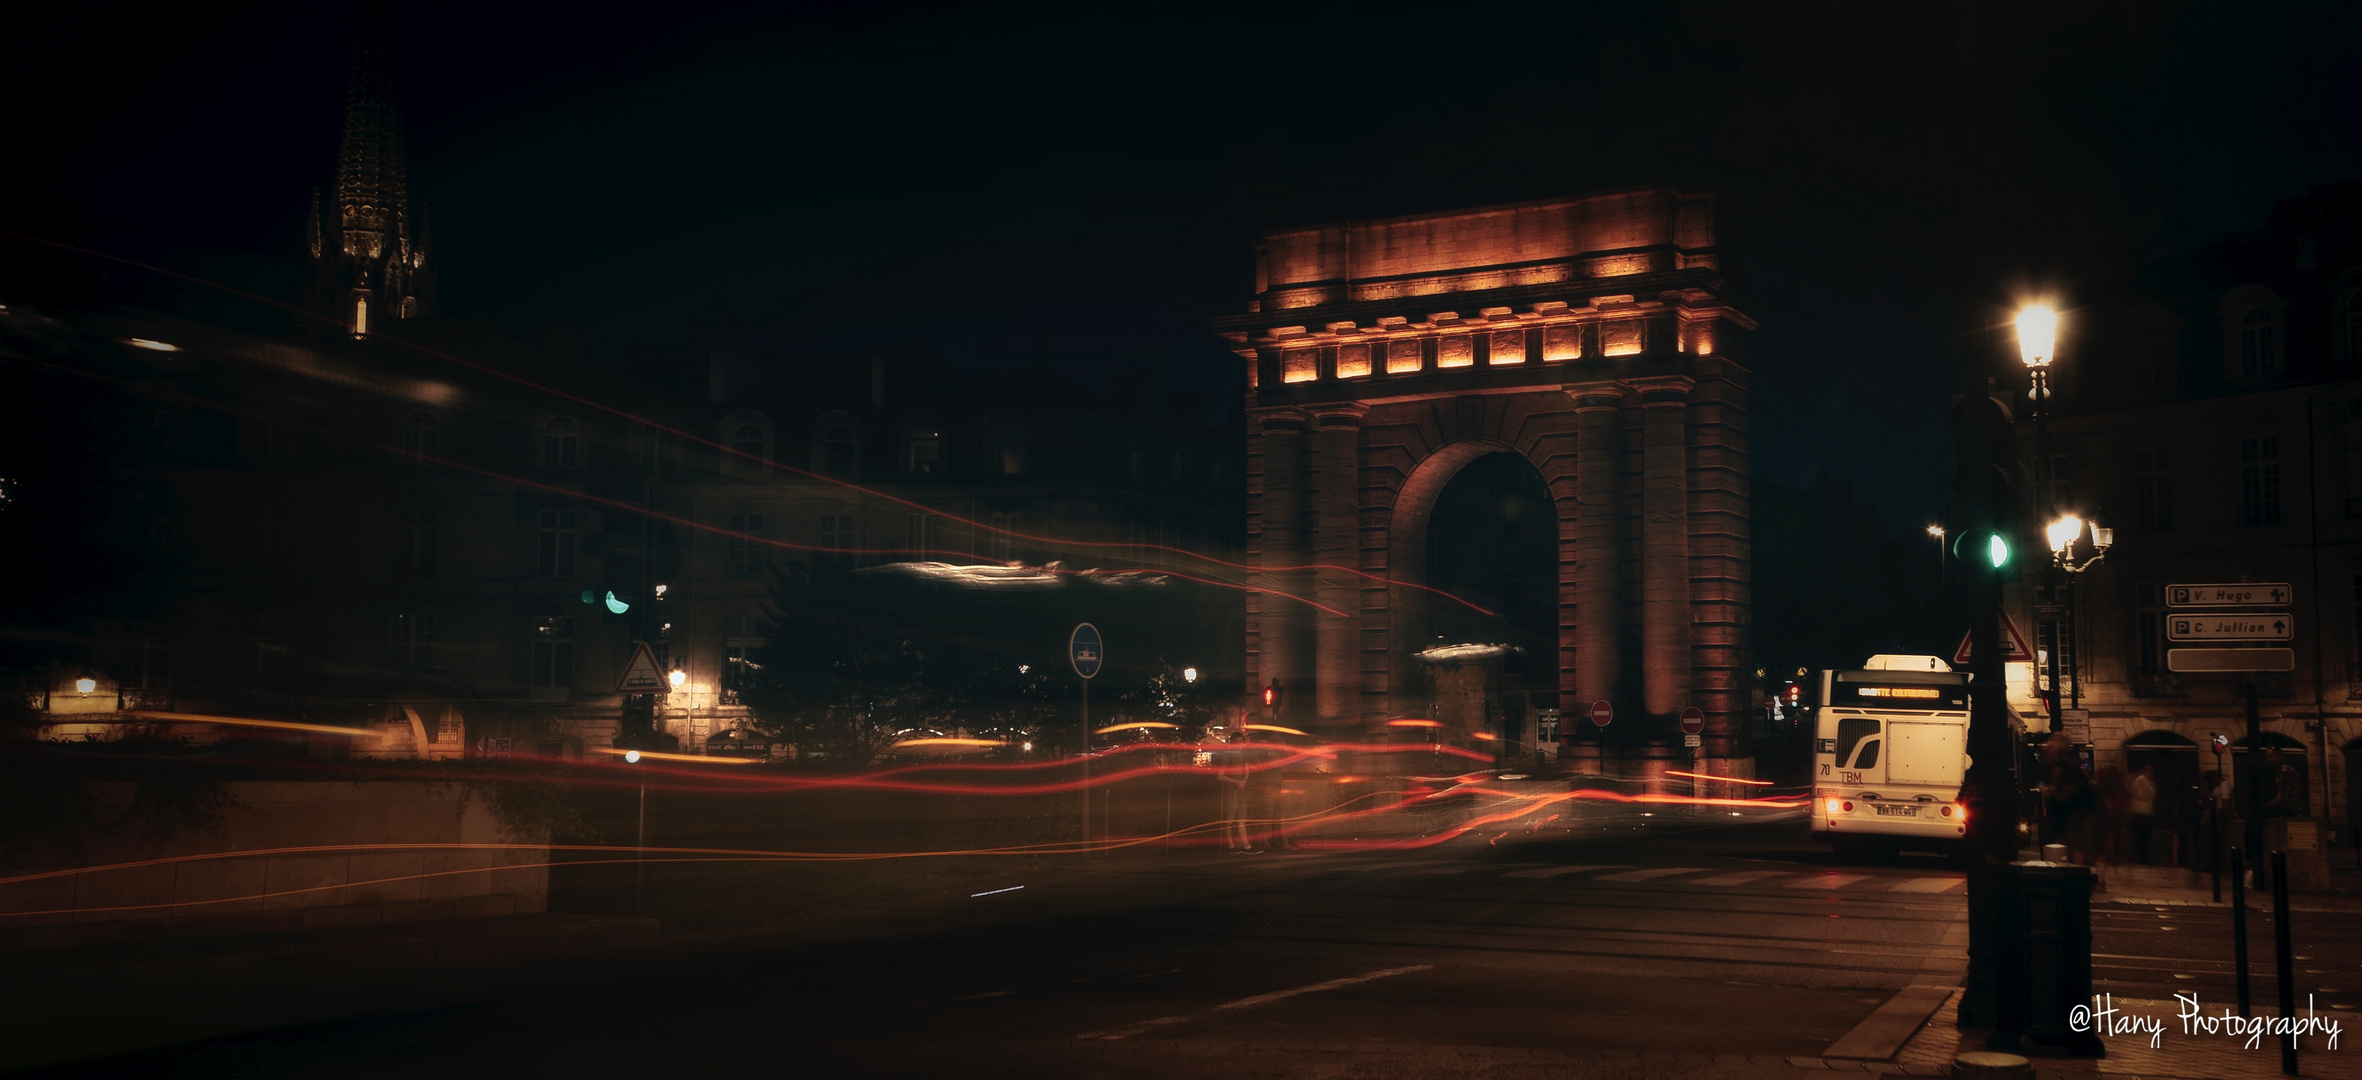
1592, 336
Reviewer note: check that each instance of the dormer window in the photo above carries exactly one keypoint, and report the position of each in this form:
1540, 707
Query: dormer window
747, 444
1004, 449
2258, 344
836, 451
926, 450
561, 443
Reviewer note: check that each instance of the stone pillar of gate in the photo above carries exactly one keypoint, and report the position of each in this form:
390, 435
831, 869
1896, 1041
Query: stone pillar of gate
1281, 644
1337, 637
1598, 654
1664, 537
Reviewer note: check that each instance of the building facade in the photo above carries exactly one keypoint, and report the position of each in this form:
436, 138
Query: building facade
1586, 345
2211, 414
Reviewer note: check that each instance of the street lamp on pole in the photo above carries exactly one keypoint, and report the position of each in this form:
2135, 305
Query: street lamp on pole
2038, 335
2062, 535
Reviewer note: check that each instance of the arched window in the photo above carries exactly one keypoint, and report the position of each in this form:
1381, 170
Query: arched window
747, 444
418, 437
836, 451
360, 315
2258, 344
561, 443
1004, 449
926, 450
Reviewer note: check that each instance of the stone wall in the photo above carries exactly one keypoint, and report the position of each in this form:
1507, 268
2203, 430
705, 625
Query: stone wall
150, 891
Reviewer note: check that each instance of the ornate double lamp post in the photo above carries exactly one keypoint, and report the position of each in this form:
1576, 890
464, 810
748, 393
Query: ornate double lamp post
2038, 335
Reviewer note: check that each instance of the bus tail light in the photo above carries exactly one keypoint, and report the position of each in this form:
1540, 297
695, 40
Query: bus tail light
1832, 806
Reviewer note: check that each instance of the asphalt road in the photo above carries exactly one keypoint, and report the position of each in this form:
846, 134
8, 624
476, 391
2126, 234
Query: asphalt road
1703, 937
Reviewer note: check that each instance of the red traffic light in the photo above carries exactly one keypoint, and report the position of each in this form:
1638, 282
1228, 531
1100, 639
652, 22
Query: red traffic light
1271, 695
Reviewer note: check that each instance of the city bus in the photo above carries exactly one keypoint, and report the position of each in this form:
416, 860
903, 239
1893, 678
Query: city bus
1890, 744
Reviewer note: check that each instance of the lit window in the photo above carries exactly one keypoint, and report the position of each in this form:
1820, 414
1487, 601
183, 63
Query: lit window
360, 315
561, 444
926, 450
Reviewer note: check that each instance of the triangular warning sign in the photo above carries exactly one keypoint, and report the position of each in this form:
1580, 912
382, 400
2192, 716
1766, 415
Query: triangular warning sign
640, 676
2013, 645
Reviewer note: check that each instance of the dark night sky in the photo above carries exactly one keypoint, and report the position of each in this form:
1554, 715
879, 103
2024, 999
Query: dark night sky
1032, 186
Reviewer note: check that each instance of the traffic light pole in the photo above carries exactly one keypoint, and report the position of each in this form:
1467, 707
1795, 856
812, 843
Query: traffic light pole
1984, 498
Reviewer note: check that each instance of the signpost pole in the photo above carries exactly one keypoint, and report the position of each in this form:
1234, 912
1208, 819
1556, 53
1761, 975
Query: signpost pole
1086, 766
1084, 652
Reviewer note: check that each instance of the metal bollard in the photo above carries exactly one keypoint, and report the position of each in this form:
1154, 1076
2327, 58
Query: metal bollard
2280, 949
2239, 923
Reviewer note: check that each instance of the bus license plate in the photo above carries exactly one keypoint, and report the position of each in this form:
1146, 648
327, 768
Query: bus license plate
1897, 811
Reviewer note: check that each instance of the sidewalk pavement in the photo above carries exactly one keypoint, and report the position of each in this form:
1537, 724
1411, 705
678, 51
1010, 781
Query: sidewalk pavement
2194, 1056
2133, 883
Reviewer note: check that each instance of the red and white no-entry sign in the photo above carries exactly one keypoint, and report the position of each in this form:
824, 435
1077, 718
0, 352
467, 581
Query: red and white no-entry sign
1693, 720
1602, 713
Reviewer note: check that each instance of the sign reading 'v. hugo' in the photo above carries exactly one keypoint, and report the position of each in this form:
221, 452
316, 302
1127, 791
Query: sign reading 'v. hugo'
2270, 626
2243, 594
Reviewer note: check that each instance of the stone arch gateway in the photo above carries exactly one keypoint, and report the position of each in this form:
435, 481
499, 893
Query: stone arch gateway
1593, 337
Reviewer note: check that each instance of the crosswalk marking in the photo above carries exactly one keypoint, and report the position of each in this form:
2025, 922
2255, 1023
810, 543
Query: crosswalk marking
1645, 875
1828, 881
1554, 871
1928, 884
1737, 879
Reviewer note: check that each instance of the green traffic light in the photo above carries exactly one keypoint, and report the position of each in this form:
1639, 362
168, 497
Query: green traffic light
616, 606
1996, 549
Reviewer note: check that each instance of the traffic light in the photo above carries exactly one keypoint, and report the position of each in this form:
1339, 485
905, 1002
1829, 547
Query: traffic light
1795, 695
1983, 547
1988, 483
621, 584
1271, 696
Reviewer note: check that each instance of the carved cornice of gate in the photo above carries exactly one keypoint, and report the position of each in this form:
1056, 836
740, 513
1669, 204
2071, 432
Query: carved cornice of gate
1658, 390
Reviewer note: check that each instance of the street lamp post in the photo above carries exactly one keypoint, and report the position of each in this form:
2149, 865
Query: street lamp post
2062, 535
2038, 332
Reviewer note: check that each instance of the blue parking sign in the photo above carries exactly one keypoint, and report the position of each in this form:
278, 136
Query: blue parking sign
1083, 649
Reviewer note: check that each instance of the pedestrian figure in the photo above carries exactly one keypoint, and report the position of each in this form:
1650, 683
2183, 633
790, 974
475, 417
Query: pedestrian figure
2115, 799
1235, 773
2144, 811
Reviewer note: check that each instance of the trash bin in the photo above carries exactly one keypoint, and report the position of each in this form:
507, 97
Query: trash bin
2045, 965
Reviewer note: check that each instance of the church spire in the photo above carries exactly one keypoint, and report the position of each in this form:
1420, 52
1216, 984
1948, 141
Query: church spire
364, 259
